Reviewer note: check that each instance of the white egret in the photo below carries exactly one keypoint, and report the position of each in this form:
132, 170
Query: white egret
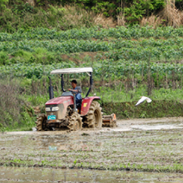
143, 98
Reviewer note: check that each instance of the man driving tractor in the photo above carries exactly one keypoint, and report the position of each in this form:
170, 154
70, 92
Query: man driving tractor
77, 90
62, 111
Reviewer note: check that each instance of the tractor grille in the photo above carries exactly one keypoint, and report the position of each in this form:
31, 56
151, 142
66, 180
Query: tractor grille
57, 110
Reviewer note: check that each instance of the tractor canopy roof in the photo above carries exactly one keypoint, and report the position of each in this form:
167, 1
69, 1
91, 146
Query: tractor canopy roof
72, 70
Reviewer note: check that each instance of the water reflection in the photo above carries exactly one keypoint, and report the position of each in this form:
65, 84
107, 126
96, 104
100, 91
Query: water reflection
66, 143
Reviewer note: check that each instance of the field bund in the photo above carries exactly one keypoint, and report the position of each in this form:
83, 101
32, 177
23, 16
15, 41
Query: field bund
156, 109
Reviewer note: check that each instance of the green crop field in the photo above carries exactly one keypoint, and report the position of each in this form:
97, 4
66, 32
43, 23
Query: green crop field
114, 53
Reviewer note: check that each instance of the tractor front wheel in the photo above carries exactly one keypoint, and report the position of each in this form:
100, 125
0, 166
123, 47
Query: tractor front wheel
75, 122
41, 122
94, 116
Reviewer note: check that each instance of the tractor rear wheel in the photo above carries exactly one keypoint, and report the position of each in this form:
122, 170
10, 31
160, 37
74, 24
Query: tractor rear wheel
75, 122
94, 116
41, 122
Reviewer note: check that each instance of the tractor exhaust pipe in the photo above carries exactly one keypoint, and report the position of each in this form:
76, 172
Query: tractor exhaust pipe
62, 83
51, 94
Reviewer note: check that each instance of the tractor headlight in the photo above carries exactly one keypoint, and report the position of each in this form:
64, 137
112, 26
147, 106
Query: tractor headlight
48, 109
55, 108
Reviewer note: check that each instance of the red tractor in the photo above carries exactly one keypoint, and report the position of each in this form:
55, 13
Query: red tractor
62, 112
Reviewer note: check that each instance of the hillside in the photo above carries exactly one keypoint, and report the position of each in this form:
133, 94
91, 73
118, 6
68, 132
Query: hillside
64, 15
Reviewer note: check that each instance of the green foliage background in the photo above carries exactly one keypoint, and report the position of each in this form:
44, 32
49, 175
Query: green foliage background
133, 10
128, 61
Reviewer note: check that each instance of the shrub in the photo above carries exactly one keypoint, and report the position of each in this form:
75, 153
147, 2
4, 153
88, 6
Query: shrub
12, 107
3, 58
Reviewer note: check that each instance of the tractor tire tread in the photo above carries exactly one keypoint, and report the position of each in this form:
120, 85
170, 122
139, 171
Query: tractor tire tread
39, 123
75, 121
90, 118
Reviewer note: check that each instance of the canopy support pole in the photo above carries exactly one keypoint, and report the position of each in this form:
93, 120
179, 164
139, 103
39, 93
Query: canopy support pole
91, 84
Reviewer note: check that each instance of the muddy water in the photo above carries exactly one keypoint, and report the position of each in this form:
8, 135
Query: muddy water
37, 175
123, 126
82, 140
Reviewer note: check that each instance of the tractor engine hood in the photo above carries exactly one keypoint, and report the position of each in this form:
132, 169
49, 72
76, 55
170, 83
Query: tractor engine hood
61, 103
66, 100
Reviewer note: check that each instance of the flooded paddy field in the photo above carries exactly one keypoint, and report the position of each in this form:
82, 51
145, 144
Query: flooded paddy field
145, 145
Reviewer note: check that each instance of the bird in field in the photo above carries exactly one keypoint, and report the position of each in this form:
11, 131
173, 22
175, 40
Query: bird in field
143, 98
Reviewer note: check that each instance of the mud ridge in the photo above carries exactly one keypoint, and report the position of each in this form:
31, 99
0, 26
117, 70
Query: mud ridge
12, 164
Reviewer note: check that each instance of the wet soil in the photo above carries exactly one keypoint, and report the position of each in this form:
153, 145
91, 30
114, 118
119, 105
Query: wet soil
151, 145
122, 125
37, 175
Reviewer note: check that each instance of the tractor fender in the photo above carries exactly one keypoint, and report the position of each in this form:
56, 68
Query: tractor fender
86, 102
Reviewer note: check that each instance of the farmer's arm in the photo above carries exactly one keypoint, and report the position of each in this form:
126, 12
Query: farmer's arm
77, 89
73, 90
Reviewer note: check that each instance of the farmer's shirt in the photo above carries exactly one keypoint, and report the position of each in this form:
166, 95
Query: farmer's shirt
78, 94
